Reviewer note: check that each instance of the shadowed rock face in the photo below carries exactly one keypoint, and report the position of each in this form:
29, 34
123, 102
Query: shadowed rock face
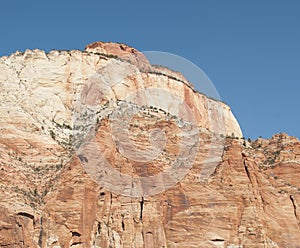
249, 196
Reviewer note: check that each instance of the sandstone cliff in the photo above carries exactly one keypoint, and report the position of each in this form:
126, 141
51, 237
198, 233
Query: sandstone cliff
61, 111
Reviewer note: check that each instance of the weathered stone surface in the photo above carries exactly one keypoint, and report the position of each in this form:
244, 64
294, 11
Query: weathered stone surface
47, 199
122, 51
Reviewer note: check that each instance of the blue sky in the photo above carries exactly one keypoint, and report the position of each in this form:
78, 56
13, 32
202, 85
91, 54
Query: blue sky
249, 49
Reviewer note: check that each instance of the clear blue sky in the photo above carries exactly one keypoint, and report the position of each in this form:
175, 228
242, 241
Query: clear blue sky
249, 49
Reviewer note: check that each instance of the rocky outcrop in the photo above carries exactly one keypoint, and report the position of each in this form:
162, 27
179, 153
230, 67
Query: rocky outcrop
166, 174
118, 50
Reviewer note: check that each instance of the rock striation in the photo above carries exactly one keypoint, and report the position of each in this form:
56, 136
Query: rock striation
234, 193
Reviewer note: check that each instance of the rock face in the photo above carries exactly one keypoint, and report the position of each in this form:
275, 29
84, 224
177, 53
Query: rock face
54, 108
120, 51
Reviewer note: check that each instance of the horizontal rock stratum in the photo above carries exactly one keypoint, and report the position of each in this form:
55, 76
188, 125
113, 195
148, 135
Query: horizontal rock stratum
100, 149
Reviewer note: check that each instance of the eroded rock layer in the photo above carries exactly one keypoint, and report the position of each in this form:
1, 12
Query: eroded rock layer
235, 193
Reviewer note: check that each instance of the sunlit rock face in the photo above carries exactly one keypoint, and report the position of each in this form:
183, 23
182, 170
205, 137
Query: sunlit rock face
171, 169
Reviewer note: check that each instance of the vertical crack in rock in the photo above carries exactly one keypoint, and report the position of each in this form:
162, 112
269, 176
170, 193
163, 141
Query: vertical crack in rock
142, 208
40, 241
295, 209
254, 183
123, 223
247, 170
98, 228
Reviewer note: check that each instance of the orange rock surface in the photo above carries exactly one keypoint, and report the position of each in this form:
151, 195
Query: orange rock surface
235, 193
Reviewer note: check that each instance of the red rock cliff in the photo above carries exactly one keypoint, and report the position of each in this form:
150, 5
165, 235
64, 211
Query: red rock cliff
227, 192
